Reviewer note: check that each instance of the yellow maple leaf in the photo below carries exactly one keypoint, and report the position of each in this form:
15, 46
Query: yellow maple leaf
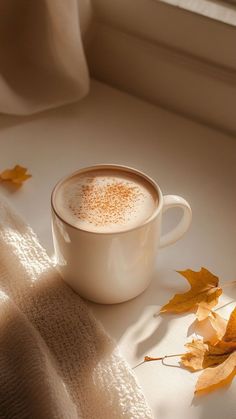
219, 360
16, 175
204, 288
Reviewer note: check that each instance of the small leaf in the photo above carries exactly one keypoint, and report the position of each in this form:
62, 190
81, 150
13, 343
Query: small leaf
211, 328
204, 288
228, 342
202, 355
204, 310
214, 378
16, 175
220, 357
218, 324
230, 333
193, 360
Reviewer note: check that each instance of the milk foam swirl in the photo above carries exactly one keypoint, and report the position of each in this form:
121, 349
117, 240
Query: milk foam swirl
106, 200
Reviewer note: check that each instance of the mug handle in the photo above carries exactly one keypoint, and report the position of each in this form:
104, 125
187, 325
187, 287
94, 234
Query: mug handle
173, 201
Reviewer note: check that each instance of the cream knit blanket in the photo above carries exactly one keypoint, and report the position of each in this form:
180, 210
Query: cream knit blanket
56, 361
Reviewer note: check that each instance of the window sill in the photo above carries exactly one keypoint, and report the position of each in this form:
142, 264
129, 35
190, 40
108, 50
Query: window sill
216, 10
175, 26
169, 56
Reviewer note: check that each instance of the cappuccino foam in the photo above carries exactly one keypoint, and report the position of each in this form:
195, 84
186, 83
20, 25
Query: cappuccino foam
105, 200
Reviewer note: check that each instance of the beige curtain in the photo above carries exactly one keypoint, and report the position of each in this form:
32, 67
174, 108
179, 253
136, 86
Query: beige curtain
42, 63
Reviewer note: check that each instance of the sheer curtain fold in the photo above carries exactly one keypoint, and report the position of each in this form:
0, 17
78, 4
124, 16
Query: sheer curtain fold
42, 62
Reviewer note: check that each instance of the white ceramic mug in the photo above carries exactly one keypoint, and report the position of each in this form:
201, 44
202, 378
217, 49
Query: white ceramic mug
116, 266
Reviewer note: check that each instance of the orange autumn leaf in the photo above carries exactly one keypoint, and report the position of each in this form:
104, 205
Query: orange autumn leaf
218, 360
228, 341
213, 378
202, 355
16, 175
230, 333
204, 288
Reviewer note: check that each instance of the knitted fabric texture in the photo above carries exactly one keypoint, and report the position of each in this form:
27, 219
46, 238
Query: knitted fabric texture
56, 361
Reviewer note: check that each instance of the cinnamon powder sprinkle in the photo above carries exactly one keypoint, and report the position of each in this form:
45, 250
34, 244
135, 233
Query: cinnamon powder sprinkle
106, 204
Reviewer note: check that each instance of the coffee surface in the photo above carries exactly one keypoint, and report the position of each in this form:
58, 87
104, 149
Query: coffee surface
105, 200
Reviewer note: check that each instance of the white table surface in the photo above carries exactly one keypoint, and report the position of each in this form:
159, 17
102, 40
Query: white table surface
185, 158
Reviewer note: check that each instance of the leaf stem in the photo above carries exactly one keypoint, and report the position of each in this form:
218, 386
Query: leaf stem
228, 284
150, 358
224, 305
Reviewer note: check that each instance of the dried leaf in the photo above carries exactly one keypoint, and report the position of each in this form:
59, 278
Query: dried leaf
204, 288
204, 310
193, 360
16, 175
230, 333
211, 328
228, 342
214, 378
202, 355
218, 324
221, 357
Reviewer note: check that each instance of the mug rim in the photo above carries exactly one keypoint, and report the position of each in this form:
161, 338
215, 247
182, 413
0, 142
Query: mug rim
110, 166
